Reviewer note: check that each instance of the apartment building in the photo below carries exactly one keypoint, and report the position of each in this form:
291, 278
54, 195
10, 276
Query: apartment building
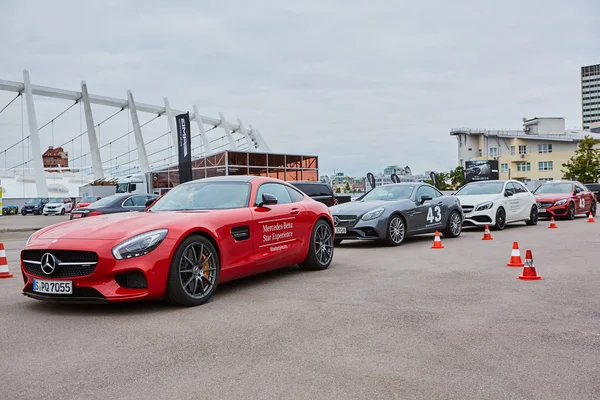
534, 153
590, 95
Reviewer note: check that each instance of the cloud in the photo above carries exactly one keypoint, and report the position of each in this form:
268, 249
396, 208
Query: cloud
362, 84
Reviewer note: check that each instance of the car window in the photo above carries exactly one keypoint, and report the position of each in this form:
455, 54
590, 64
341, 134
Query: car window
428, 190
295, 195
139, 201
388, 193
519, 188
276, 189
313, 189
475, 188
510, 188
204, 195
581, 187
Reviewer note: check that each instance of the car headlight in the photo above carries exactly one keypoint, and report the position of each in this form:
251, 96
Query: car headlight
560, 202
139, 245
484, 206
376, 213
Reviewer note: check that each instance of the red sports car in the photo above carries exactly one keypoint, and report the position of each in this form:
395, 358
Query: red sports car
564, 199
199, 234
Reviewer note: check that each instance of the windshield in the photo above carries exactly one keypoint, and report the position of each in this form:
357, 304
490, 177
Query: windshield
55, 200
33, 201
389, 193
88, 199
554, 188
122, 187
205, 196
480, 188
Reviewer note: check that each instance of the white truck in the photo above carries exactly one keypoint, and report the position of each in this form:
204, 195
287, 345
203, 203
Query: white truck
140, 183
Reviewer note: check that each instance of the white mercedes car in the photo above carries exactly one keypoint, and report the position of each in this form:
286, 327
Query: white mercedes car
497, 203
58, 206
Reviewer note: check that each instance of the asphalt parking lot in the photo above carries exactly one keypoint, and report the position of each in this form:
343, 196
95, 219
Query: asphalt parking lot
408, 322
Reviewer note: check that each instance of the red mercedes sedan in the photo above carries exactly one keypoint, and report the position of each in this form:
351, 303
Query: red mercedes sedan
564, 199
198, 235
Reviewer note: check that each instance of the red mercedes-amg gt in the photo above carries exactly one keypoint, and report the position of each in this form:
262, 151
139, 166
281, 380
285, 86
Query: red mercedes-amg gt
199, 234
564, 199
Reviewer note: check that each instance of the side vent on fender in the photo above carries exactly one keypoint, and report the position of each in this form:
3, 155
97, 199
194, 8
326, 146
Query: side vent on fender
240, 233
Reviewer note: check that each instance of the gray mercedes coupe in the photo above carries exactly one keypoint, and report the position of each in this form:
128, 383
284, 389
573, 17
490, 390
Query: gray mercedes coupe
390, 213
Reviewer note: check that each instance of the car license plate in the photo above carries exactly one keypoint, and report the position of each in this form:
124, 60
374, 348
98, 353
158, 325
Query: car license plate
76, 215
541, 210
53, 287
341, 230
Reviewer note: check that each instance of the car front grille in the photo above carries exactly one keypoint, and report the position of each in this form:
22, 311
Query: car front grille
345, 220
544, 204
468, 209
69, 263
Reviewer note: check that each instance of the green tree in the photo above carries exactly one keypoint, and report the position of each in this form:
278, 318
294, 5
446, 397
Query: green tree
442, 183
457, 177
347, 187
584, 166
337, 190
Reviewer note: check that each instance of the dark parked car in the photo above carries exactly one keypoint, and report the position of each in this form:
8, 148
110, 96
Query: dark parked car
318, 191
116, 203
594, 188
34, 206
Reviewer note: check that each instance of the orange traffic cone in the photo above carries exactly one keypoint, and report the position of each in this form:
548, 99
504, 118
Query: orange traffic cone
552, 223
437, 242
591, 218
486, 234
4, 273
529, 272
515, 257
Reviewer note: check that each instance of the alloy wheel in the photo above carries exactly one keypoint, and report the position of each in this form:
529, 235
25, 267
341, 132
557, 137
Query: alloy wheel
323, 244
197, 271
501, 219
396, 229
455, 225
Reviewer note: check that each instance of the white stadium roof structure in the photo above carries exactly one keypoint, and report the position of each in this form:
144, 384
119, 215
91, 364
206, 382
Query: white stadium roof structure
110, 137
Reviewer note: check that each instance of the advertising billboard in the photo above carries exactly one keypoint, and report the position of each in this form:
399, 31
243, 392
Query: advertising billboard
481, 170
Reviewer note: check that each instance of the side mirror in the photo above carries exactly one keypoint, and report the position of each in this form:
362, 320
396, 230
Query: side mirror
267, 199
507, 193
132, 187
425, 197
149, 202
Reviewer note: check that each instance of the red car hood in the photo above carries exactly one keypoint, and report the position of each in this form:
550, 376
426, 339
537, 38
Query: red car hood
551, 197
112, 226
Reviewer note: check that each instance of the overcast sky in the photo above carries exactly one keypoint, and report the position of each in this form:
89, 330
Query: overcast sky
362, 84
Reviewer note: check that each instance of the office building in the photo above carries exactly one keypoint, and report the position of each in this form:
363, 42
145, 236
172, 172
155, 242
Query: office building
535, 153
590, 95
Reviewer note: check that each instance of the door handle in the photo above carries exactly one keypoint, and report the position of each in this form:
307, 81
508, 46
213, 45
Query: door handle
295, 211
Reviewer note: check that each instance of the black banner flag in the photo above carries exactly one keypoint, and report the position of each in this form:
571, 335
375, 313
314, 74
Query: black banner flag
371, 180
184, 146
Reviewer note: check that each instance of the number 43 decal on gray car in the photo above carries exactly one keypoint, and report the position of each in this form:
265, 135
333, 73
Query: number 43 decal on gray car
434, 214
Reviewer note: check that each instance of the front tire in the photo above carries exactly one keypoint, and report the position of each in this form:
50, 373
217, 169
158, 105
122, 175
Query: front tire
396, 231
533, 216
320, 250
454, 226
571, 211
500, 222
593, 208
194, 272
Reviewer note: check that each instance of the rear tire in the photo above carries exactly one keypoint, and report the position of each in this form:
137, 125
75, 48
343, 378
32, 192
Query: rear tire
193, 260
533, 216
454, 227
593, 208
320, 249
